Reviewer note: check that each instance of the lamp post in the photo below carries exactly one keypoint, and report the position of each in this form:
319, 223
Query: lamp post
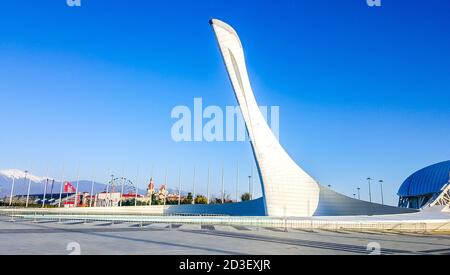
223, 185
179, 187
237, 183
193, 188
382, 195
207, 187
359, 193
370, 189
167, 189
354, 196
253, 183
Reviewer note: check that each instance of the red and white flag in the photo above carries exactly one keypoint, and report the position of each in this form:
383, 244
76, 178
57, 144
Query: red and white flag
68, 188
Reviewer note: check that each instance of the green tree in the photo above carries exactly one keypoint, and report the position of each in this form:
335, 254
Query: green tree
156, 201
217, 201
188, 200
201, 200
245, 197
132, 202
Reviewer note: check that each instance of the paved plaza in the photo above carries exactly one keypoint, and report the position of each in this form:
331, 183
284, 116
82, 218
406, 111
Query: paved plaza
49, 237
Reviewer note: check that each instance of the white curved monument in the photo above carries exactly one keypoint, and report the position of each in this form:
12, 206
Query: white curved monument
287, 189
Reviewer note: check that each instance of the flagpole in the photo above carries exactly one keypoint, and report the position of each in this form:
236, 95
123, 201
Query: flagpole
123, 185
108, 197
12, 188
78, 184
51, 189
137, 187
45, 188
92, 186
29, 187
45, 193
153, 179
66, 191
106, 202
61, 188
150, 183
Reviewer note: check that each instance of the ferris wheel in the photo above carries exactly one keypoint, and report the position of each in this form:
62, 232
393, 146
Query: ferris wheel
120, 184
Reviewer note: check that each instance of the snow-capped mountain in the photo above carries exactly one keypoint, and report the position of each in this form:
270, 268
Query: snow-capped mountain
19, 174
38, 184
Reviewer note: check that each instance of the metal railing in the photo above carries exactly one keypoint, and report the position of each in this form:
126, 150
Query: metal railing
309, 224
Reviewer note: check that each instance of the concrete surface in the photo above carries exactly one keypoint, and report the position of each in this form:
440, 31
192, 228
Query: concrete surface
49, 237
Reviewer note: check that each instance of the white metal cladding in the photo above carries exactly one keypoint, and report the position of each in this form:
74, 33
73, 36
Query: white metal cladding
287, 189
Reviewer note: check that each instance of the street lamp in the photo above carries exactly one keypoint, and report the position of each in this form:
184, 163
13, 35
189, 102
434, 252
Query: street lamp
370, 189
193, 189
166, 191
179, 188
382, 195
354, 196
237, 182
209, 181
223, 186
359, 193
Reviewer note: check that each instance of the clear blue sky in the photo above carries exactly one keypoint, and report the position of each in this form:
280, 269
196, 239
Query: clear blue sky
362, 91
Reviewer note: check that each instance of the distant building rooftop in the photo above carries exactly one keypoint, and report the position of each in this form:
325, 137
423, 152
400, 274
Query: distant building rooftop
426, 181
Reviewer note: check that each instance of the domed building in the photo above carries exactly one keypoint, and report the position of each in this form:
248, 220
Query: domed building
427, 187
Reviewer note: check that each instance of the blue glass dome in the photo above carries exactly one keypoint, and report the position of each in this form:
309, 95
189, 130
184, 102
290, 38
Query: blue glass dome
429, 180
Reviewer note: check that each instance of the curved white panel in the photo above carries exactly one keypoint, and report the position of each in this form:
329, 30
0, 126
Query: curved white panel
287, 189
